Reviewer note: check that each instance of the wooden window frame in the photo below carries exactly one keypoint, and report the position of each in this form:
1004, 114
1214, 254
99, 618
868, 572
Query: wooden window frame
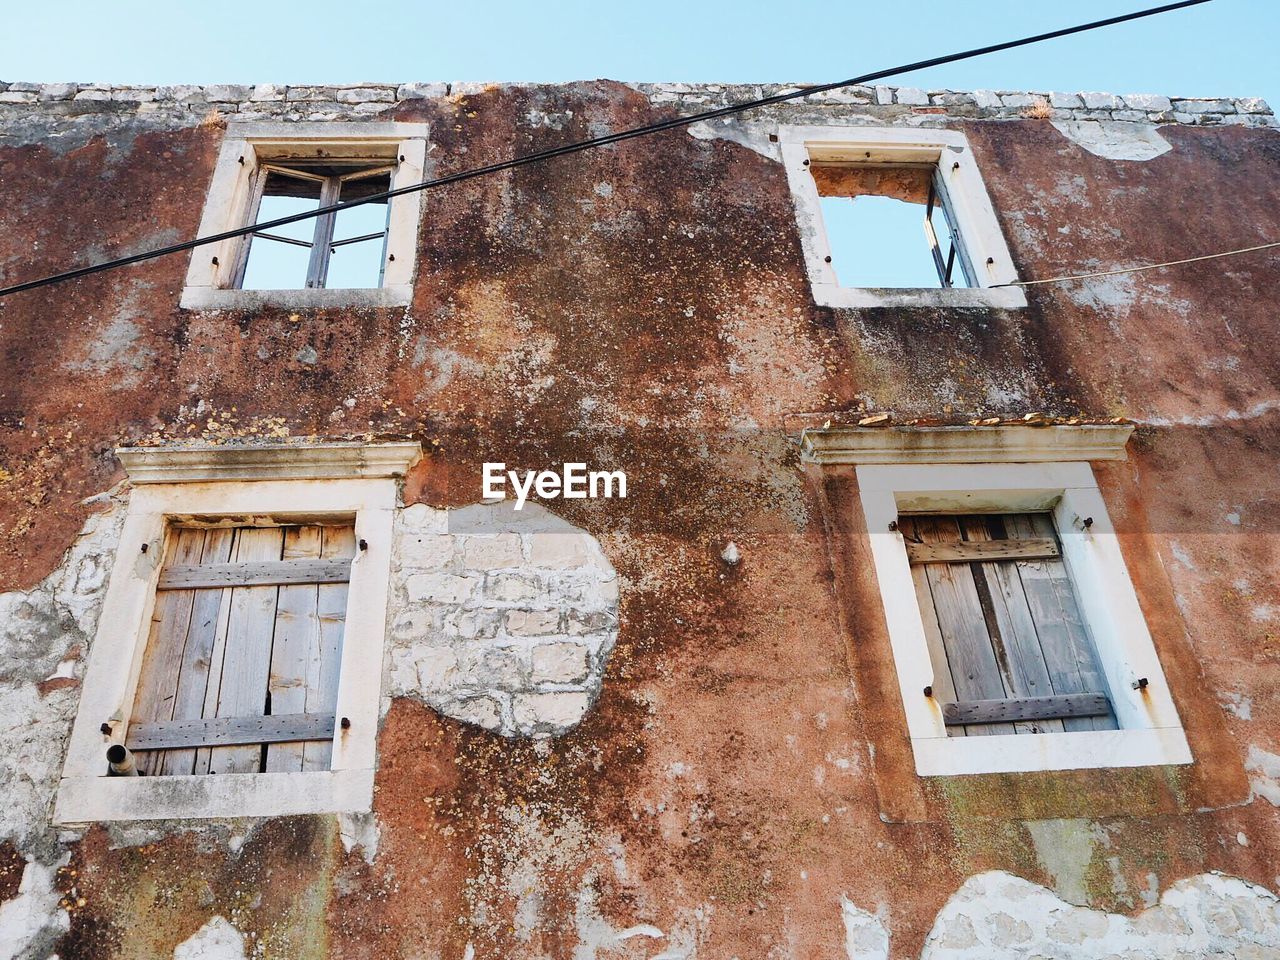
285, 483
961, 190
215, 270
1150, 731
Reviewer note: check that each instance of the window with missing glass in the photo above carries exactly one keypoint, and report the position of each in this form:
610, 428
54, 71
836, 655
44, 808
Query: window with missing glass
888, 225
343, 250
360, 256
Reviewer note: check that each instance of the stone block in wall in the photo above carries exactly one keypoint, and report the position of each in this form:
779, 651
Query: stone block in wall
532, 623
440, 587
268, 91
58, 91
549, 711
559, 663
364, 95
487, 552
483, 712
912, 96
1204, 106
94, 94
421, 91
512, 587
1252, 105
227, 92
557, 551
1065, 101
18, 96
1147, 101
1102, 101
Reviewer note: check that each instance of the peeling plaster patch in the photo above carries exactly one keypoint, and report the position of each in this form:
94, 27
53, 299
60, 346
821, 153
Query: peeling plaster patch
1114, 139
1264, 774
865, 936
1065, 849
595, 934
996, 915
116, 351
39, 630
1257, 410
501, 619
216, 940
360, 831
32, 921
747, 135
1239, 705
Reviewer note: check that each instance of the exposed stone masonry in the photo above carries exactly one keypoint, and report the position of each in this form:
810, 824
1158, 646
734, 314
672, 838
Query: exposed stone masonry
271, 101
499, 618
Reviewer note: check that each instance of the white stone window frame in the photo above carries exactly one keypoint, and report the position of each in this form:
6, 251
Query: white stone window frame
1014, 470
966, 200
211, 273
336, 480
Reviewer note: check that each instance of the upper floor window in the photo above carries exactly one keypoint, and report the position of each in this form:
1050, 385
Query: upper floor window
344, 250
896, 217
363, 256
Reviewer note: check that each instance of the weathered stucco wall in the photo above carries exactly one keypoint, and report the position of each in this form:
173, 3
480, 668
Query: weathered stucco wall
739, 783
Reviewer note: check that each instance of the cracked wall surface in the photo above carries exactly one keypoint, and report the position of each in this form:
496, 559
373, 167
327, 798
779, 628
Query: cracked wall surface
665, 726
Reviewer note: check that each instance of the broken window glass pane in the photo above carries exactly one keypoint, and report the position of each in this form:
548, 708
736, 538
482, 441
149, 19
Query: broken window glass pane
875, 219
278, 258
359, 235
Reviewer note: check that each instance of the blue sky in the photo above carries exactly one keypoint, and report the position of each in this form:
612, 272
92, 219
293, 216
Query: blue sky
1226, 47
1222, 48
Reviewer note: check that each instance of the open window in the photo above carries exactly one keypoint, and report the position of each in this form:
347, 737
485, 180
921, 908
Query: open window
344, 250
237, 666
896, 217
1016, 634
362, 256
888, 226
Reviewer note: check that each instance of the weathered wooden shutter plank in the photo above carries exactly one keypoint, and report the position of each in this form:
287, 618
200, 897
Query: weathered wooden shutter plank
182, 735
1068, 649
1023, 667
975, 674
246, 659
297, 639
193, 680
162, 659
258, 573
969, 551
1026, 708
322, 687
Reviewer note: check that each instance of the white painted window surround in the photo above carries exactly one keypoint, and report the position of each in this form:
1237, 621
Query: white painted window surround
1011, 469
338, 480
966, 199
227, 207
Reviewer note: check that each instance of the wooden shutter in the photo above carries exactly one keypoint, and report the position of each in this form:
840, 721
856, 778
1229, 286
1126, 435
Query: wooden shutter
1008, 644
240, 673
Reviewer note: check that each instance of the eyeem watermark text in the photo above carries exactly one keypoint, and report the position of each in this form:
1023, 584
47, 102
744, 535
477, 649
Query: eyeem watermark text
573, 482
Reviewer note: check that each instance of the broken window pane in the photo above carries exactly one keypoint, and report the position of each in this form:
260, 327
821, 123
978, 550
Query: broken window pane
359, 235
342, 250
877, 218
278, 258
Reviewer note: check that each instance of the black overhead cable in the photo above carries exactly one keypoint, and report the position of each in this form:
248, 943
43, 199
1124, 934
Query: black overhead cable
582, 145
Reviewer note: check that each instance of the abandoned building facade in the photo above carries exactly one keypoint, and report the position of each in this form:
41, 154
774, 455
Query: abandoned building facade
846, 610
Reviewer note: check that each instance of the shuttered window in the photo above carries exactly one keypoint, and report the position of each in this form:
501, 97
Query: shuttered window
1008, 644
240, 673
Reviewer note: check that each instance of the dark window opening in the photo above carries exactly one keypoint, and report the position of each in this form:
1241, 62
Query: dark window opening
889, 226
346, 250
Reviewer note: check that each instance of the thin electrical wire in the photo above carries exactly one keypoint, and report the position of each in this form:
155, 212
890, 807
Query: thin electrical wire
1147, 266
606, 140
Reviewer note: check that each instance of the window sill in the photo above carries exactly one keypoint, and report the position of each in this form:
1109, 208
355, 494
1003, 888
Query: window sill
1029, 753
92, 799
861, 298
213, 298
